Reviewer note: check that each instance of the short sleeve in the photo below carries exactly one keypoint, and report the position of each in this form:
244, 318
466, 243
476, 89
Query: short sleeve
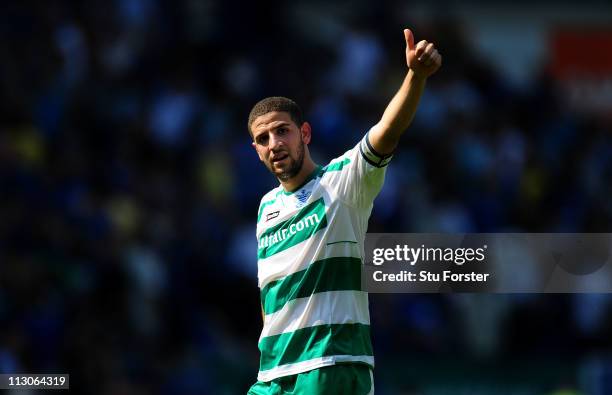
357, 176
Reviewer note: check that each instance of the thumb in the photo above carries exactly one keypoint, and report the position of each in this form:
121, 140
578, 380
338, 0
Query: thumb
409, 38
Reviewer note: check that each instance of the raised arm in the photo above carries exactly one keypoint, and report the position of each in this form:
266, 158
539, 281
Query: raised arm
423, 60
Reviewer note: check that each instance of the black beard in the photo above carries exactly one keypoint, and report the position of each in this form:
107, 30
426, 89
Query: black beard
294, 167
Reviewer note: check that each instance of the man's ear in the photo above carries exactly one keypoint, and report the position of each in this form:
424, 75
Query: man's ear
306, 132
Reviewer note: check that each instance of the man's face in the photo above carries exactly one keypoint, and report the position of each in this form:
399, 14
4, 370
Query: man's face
279, 142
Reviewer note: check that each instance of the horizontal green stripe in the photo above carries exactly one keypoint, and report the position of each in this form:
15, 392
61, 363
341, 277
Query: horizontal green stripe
314, 342
309, 220
331, 274
337, 165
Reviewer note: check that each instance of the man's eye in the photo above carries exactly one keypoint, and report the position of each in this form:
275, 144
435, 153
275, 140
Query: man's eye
282, 131
262, 140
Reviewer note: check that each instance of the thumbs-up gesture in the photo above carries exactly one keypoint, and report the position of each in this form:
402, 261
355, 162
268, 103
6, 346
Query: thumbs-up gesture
423, 59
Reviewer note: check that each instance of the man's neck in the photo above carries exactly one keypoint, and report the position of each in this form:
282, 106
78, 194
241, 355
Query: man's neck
294, 183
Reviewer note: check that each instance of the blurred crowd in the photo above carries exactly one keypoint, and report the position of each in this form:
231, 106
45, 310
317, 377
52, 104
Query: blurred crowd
129, 192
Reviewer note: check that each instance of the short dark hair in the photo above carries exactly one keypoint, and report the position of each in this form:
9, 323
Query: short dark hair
276, 103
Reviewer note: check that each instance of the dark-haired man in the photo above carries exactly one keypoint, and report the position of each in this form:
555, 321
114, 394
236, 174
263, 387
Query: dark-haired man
310, 232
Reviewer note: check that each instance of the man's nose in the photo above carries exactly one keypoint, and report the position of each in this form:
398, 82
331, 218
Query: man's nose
275, 142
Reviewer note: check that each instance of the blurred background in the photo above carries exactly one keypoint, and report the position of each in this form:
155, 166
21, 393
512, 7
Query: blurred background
129, 189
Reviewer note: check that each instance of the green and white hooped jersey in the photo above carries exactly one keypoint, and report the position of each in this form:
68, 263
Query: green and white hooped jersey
310, 249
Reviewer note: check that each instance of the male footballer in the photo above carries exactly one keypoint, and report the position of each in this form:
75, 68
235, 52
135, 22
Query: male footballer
310, 232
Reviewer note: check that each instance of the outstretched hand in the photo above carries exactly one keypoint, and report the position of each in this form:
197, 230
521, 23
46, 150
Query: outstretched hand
423, 59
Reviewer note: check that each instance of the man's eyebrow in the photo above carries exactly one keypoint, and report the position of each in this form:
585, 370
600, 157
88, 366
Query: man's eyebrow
281, 124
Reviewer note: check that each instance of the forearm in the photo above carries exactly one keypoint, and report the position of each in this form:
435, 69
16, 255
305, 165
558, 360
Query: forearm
398, 115
422, 60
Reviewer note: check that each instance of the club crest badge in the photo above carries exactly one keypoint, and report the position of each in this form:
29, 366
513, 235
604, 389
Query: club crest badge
302, 196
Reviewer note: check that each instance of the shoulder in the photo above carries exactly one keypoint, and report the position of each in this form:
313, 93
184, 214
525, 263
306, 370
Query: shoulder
270, 195
339, 163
